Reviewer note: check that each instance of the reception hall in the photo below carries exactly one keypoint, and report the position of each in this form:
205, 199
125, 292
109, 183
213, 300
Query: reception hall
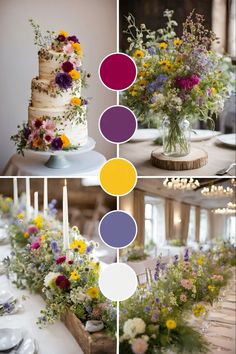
184, 259
50, 259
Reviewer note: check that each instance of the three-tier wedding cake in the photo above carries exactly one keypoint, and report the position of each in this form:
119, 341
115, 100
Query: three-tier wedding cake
57, 117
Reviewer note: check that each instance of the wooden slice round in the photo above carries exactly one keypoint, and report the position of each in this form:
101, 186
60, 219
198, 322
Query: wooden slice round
195, 159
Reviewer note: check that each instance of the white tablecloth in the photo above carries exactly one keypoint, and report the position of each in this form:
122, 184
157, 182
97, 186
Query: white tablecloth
87, 164
55, 339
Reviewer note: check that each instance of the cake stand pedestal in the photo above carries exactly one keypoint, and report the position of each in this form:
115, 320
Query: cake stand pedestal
58, 159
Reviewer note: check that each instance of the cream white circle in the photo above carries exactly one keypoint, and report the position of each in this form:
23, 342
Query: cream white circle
118, 281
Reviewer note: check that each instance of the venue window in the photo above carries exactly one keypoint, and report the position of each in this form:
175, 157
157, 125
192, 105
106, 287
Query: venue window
154, 220
230, 229
191, 228
203, 226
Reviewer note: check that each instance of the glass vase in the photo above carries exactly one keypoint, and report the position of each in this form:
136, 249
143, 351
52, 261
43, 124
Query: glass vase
176, 136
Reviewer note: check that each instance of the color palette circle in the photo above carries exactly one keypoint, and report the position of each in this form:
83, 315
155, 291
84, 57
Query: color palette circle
118, 177
117, 124
117, 71
117, 229
118, 282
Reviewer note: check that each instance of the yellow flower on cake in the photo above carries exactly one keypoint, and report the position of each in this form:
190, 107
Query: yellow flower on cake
79, 245
93, 292
178, 42
37, 143
138, 54
65, 141
63, 33
74, 275
74, 74
163, 45
76, 101
171, 324
77, 48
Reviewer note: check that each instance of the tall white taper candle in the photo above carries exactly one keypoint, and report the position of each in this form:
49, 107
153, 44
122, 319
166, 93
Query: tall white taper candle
15, 192
28, 204
45, 196
66, 242
36, 204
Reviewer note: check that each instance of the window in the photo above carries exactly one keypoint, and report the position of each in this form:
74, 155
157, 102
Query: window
192, 226
230, 229
154, 220
203, 226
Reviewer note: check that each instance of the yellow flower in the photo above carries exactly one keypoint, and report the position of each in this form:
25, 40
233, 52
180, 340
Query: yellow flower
79, 245
147, 65
93, 292
37, 143
65, 141
77, 48
38, 221
138, 54
200, 260
76, 101
199, 310
74, 275
164, 311
74, 74
96, 266
213, 91
63, 33
20, 216
178, 60
211, 288
133, 91
171, 324
164, 62
26, 235
178, 42
43, 237
163, 45
142, 83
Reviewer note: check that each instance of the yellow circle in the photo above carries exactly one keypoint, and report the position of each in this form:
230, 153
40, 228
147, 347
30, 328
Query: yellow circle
118, 176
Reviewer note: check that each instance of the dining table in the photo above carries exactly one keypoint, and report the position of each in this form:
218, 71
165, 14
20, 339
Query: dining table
220, 156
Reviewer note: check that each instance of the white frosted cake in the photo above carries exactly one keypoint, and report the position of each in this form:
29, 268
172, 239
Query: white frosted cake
57, 117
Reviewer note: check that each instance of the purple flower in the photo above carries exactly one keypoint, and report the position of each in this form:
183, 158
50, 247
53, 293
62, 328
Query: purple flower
157, 85
26, 132
152, 50
67, 66
54, 246
57, 143
63, 80
186, 255
157, 300
61, 38
146, 309
73, 39
85, 102
89, 249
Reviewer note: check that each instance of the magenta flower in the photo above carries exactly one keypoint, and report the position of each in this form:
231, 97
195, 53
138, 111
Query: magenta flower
73, 39
61, 38
57, 144
67, 66
35, 245
62, 282
48, 137
37, 123
187, 82
60, 259
32, 229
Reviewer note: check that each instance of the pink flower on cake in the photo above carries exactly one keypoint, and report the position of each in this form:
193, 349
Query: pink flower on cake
48, 125
68, 49
139, 346
48, 137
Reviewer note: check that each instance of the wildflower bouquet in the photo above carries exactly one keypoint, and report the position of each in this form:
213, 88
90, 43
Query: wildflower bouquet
179, 79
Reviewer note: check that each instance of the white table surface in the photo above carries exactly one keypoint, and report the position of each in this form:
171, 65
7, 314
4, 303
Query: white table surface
55, 339
87, 164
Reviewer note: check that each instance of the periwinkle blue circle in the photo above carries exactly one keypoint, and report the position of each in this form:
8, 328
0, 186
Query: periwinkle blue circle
117, 229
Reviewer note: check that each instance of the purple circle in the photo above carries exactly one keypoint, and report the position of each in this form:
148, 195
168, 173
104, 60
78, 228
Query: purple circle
117, 71
117, 229
117, 124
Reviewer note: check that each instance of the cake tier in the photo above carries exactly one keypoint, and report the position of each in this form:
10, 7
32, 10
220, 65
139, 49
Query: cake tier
46, 96
75, 129
50, 62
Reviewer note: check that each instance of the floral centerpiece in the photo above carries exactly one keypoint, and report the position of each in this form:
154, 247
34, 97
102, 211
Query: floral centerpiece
180, 79
6, 206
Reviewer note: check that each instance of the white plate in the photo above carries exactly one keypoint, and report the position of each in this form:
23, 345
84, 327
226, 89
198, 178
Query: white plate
146, 134
9, 338
5, 296
27, 347
228, 139
202, 134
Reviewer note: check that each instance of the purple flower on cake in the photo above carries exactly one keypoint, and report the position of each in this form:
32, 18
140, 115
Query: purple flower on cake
32, 229
64, 80
67, 66
61, 38
57, 143
73, 39
68, 49
187, 82
26, 132
62, 282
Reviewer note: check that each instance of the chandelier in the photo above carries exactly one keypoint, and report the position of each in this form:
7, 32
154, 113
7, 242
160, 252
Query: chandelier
181, 183
233, 182
224, 211
217, 191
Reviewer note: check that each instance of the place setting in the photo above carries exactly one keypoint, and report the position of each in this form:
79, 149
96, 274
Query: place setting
17, 341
